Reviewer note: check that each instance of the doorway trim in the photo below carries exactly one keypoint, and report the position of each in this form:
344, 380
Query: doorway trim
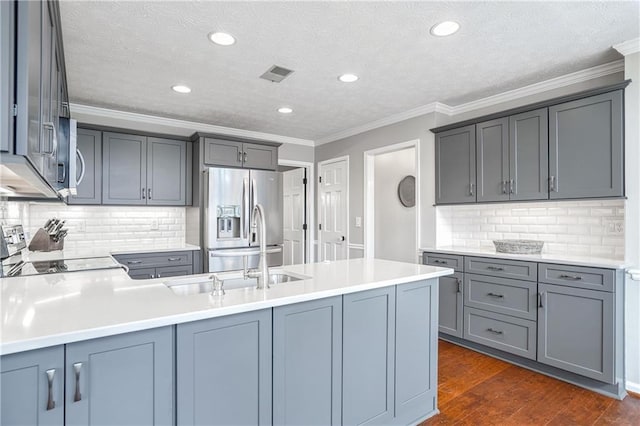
311, 202
369, 192
322, 163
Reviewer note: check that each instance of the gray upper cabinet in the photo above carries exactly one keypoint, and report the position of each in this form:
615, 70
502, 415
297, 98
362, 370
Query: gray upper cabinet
220, 152
368, 357
307, 363
7, 74
124, 174
224, 370
576, 331
125, 379
492, 157
456, 166
32, 387
166, 172
586, 147
89, 168
529, 156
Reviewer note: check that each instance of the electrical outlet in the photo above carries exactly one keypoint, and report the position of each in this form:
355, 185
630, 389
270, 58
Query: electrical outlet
358, 222
613, 226
155, 225
82, 226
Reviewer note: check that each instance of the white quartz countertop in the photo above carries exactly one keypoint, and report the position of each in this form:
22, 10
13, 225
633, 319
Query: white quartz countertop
597, 262
46, 310
40, 256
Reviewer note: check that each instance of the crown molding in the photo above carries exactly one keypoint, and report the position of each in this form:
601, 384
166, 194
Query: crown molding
532, 89
628, 47
543, 86
189, 126
392, 119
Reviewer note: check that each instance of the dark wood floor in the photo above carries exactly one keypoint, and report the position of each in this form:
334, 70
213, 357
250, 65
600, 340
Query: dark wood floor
475, 389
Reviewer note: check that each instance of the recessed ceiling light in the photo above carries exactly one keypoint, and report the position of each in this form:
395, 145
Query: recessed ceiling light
223, 39
181, 88
445, 28
348, 78
285, 110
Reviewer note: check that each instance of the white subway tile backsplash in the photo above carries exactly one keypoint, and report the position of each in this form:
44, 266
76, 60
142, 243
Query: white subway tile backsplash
578, 227
115, 227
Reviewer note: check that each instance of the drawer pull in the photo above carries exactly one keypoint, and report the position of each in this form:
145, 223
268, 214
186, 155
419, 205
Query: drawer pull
51, 404
134, 262
491, 330
441, 262
571, 277
495, 268
499, 296
173, 259
76, 370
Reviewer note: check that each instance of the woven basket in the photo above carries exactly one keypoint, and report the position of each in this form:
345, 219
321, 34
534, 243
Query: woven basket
519, 246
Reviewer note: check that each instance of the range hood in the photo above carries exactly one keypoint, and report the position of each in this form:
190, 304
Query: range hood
18, 179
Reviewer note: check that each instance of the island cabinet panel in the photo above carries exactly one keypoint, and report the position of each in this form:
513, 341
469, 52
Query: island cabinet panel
416, 350
576, 331
32, 387
224, 370
121, 380
368, 357
450, 304
586, 147
307, 363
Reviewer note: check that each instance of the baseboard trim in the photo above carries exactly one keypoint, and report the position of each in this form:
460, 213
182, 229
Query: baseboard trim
633, 388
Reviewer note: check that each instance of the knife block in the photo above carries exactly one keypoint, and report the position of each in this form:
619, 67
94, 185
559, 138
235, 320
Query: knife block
42, 241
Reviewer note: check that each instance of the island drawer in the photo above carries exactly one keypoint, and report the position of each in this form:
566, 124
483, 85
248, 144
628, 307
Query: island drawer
516, 269
577, 276
509, 334
444, 260
501, 295
148, 260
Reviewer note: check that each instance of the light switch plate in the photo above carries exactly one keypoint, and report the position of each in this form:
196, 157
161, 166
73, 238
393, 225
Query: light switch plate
358, 222
613, 226
155, 225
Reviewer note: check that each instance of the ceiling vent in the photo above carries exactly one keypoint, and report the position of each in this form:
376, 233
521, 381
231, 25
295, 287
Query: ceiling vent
276, 74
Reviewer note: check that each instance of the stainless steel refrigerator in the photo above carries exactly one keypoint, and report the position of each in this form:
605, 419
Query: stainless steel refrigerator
230, 195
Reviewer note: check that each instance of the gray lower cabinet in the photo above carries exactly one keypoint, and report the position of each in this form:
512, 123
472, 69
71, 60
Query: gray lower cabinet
124, 169
166, 172
456, 166
416, 349
89, 168
307, 363
368, 335
32, 387
224, 370
576, 331
160, 264
586, 147
121, 380
529, 156
492, 158
450, 304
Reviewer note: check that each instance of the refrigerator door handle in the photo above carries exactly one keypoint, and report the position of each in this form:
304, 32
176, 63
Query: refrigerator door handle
245, 219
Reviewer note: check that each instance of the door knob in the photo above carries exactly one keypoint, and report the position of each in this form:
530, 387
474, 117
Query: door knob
342, 238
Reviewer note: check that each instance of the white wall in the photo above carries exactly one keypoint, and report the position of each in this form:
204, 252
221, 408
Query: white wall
576, 227
394, 224
112, 227
632, 226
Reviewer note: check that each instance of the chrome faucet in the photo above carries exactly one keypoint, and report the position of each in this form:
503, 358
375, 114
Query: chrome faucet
262, 272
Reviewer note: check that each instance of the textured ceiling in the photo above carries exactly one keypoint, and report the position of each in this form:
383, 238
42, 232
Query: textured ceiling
127, 55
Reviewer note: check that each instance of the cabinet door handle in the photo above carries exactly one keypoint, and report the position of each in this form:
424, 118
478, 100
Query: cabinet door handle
134, 262
173, 259
239, 156
244, 157
504, 186
152, 276
143, 193
459, 282
54, 147
82, 167
495, 268
540, 300
552, 183
51, 404
499, 296
570, 277
471, 184
76, 370
511, 186
441, 262
491, 330
149, 193
158, 275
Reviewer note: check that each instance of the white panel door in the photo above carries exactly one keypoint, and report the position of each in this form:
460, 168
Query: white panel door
293, 217
333, 189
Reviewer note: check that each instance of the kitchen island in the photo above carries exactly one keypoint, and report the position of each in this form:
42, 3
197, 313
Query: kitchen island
353, 342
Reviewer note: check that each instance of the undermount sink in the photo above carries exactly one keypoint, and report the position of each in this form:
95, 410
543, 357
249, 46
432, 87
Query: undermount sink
232, 280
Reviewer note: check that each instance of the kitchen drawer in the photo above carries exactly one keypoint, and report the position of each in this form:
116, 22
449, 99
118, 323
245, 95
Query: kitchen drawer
509, 334
577, 276
174, 271
501, 268
444, 260
142, 273
149, 260
501, 295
